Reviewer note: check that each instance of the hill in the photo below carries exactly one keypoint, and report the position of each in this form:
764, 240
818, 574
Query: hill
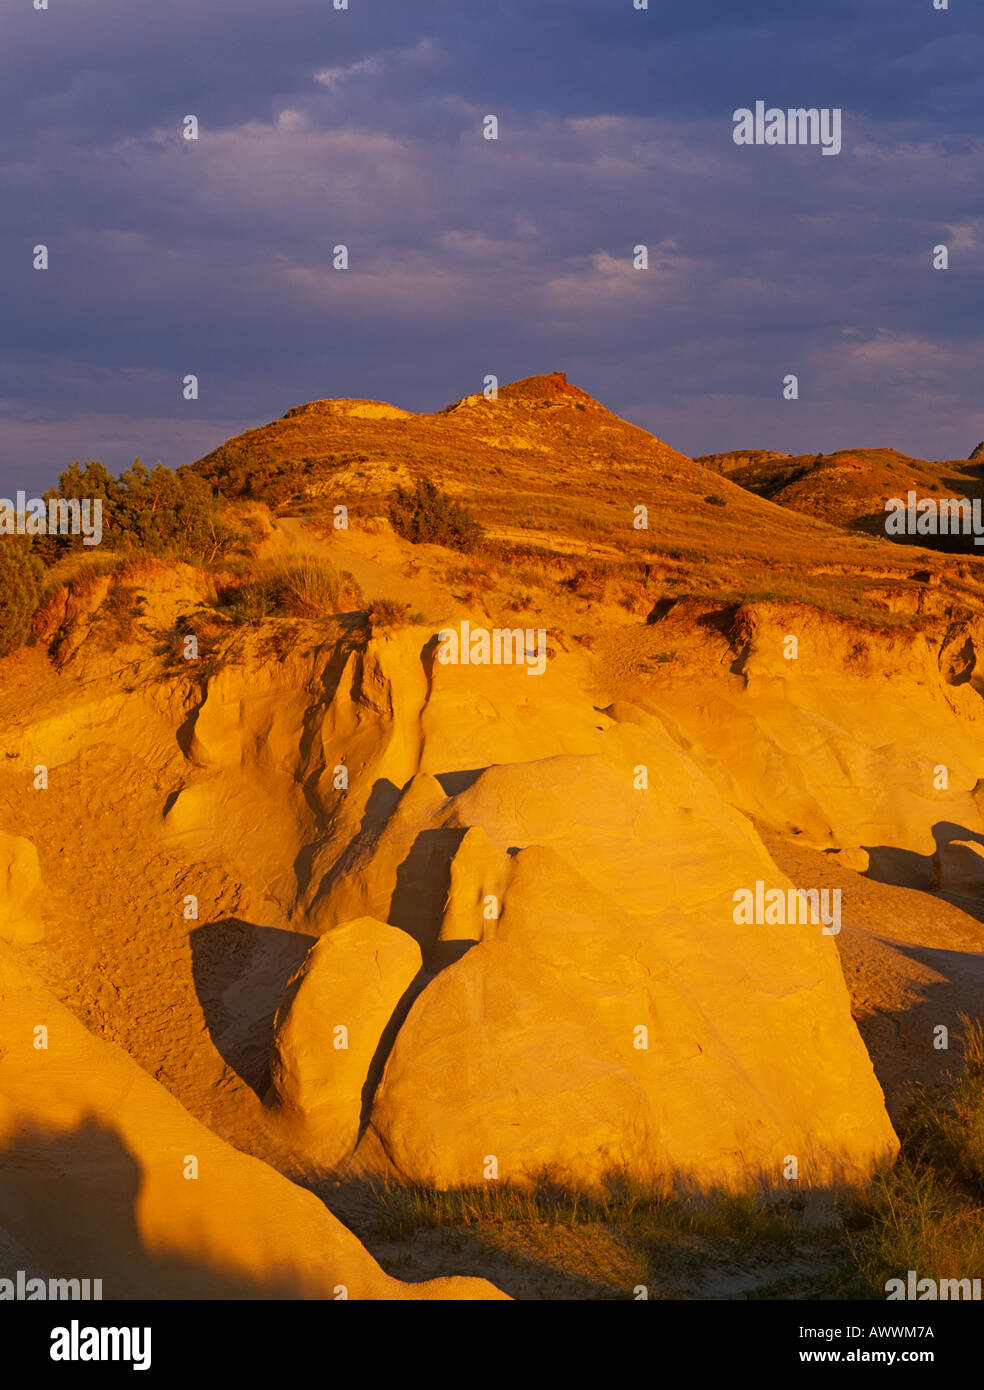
849, 488
425, 935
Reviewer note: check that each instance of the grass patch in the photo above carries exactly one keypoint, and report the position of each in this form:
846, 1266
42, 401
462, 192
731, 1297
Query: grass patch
388, 613
659, 1226
296, 587
927, 1214
425, 514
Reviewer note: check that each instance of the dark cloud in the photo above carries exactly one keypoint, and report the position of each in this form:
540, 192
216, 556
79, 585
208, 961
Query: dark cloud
363, 127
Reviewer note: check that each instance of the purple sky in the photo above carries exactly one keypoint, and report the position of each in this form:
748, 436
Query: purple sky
469, 257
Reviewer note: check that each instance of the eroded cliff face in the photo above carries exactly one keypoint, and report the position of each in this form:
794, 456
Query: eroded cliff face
844, 738
549, 974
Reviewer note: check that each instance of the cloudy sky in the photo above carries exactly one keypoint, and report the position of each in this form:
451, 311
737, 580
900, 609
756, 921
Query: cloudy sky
363, 127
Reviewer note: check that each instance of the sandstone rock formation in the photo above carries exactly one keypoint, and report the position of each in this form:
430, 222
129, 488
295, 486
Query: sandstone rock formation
339, 1014
102, 1171
585, 976
505, 1071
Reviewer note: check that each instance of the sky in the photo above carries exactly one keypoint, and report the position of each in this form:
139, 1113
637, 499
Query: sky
470, 257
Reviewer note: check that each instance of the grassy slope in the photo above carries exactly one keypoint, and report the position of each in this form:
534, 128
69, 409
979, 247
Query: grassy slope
555, 478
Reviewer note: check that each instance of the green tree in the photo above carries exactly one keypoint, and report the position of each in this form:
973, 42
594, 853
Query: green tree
80, 481
21, 582
155, 511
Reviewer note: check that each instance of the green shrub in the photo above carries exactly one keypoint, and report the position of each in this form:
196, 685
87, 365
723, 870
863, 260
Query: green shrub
116, 620
388, 612
232, 470
237, 471
425, 514
249, 602
21, 580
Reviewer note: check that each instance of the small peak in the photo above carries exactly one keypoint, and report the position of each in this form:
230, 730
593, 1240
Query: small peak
978, 455
550, 389
554, 386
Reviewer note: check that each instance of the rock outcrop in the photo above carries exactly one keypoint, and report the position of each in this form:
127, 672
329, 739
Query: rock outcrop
594, 1007
103, 1172
340, 1013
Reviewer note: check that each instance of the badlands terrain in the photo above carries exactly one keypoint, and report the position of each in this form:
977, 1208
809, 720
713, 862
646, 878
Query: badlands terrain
364, 973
